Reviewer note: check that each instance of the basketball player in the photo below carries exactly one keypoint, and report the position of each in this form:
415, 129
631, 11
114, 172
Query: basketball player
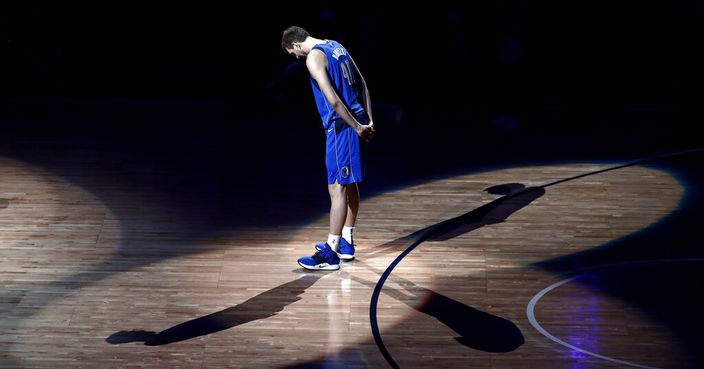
342, 99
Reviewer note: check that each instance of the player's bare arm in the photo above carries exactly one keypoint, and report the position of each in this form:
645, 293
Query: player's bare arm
317, 62
367, 99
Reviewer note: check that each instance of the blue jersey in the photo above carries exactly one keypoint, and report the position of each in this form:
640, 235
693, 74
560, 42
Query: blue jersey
344, 78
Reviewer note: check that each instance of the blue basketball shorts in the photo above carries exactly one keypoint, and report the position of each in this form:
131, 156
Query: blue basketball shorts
343, 157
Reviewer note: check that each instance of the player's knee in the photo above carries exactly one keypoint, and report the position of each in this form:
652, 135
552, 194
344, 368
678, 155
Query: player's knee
337, 190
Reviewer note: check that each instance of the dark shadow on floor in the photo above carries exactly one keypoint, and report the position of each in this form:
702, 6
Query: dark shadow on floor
516, 197
494, 212
477, 329
262, 306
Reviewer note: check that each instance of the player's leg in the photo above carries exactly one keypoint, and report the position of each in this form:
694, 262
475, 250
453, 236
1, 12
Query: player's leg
338, 211
325, 257
346, 244
352, 205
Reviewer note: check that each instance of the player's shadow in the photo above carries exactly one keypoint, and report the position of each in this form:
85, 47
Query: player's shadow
262, 306
515, 197
477, 329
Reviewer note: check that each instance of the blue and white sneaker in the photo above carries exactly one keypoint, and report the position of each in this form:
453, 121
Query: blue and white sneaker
345, 249
323, 259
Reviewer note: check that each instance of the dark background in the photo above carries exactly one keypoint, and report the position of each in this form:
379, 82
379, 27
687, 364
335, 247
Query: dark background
626, 52
455, 85
195, 111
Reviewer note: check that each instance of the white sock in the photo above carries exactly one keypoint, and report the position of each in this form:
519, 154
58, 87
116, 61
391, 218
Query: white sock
333, 241
347, 234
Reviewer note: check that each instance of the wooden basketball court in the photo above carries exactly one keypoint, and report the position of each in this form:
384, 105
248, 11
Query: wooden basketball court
501, 268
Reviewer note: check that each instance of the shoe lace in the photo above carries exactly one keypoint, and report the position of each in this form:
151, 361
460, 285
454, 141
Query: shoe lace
319, 256
323, 255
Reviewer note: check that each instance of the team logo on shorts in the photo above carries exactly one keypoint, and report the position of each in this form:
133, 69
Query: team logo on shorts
345, 172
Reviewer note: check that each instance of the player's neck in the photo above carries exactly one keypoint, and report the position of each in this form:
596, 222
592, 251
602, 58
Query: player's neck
310, 42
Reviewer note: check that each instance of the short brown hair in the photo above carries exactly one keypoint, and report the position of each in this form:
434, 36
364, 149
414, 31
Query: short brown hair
293, 34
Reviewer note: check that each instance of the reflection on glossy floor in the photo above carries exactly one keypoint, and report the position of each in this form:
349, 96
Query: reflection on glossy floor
105, 276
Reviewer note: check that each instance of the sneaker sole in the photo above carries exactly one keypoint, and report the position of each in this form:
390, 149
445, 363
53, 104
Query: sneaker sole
324, 266
345, 256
